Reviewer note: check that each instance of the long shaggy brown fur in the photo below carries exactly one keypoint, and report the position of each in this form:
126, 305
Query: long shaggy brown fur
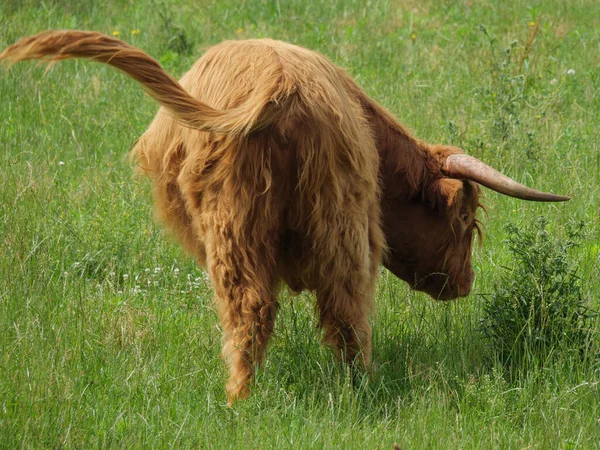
267, 162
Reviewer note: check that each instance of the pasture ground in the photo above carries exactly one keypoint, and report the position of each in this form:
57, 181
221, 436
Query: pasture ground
108, 337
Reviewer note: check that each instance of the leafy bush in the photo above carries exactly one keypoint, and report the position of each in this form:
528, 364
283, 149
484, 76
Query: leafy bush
538, 311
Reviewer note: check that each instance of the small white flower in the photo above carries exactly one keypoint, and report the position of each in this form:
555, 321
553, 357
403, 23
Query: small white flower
61, 163
112, 274
125, 276
157, 269
553, 81
176, 270
65, 274
570, 72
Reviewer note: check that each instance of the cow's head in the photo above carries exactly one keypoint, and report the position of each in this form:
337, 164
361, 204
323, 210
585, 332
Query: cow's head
430, 236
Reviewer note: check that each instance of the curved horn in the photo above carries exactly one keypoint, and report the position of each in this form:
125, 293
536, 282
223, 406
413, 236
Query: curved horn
468, 167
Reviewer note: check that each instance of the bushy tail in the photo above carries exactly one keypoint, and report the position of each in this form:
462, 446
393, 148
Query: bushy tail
160, 85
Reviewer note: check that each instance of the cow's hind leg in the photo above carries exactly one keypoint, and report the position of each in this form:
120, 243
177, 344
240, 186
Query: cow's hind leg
344, 299
242, 222
344, 320
245, 294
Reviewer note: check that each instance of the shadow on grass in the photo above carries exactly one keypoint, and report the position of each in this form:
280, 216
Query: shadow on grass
433, 346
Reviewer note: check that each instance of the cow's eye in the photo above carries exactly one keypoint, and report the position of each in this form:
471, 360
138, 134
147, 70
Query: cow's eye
465, 218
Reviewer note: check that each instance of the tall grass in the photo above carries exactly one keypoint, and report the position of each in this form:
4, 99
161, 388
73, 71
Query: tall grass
108, 336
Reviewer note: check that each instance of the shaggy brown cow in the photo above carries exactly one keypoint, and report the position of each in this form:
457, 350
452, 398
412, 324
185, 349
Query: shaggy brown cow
285, 177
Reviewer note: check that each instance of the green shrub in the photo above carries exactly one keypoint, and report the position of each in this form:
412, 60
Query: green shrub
538, 311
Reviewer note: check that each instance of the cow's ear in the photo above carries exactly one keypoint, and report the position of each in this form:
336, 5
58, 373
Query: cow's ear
451, 191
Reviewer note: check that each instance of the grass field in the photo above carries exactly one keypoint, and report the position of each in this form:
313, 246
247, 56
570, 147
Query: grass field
108, 335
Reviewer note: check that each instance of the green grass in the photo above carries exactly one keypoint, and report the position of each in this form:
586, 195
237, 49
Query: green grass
108, 336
